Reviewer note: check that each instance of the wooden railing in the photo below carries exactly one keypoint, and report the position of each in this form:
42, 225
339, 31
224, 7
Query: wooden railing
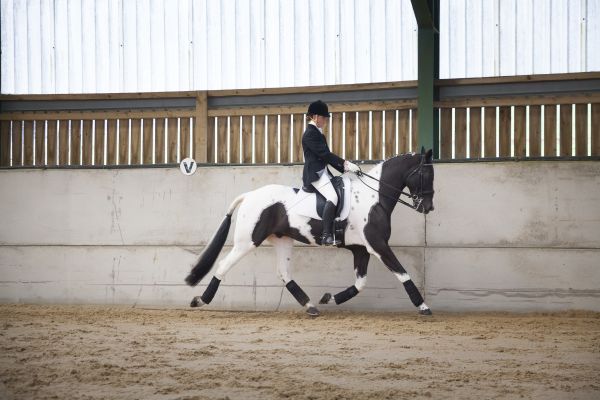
494, 118
520, 117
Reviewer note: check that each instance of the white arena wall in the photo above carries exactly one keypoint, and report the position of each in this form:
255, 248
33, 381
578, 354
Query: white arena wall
513, 236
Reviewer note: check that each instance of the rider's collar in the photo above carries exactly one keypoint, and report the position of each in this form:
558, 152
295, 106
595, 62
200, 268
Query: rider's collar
311, 122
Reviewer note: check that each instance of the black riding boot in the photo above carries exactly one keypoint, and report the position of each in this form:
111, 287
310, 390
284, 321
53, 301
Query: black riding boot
328, 217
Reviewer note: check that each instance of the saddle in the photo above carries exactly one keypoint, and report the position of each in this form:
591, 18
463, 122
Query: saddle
338, 184
310, 203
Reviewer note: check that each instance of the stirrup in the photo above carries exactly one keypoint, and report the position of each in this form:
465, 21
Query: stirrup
328, 240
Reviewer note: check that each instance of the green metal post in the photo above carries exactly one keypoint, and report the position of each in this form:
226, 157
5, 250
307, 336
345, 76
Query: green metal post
427, 15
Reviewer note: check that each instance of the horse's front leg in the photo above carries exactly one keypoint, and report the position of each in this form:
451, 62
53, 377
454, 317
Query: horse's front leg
387, 257
361, 262
377, 235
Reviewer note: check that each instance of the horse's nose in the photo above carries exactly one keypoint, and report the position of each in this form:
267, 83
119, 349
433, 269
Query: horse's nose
431, 208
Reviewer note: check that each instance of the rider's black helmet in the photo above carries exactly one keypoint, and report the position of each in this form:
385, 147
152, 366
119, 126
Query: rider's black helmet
318, 108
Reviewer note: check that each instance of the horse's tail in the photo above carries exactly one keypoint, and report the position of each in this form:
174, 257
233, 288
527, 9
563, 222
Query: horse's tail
214, 247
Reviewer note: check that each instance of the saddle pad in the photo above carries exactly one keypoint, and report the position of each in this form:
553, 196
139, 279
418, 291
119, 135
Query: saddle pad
305, 204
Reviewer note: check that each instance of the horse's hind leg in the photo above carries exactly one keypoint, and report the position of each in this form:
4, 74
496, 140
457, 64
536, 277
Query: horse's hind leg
361, 262
239, 250
283, 247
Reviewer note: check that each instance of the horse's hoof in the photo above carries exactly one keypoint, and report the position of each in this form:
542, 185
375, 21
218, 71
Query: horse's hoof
196, 302
312, 312
425, 312
325, 299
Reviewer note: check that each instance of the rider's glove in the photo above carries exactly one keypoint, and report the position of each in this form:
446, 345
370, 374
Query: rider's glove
350, 166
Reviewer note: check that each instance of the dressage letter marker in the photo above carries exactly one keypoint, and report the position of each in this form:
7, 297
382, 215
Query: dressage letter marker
188, 166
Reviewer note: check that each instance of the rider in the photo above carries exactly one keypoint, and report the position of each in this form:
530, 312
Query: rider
316, 157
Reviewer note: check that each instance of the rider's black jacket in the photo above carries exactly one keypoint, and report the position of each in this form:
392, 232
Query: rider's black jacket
317, 155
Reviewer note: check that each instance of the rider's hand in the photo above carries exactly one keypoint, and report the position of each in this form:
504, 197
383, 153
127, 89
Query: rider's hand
350, 166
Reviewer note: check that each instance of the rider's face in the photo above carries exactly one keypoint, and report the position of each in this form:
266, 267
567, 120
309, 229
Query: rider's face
320, 121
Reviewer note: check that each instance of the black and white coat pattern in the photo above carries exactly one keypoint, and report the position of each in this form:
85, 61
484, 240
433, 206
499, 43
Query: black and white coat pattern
267, 214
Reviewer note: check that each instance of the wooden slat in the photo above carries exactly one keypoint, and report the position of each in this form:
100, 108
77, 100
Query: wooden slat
535, 131
415, 131
595, 129
259, 139
40, 139
403, 131
377, 125
5, 138
99, 140
148, 137
389, 139
160, 141
566, 130
123, 148
446, 134
210, 141
76, 129
298, 131
185, 138
136, 142
86, 143
234, 140
520, 131
17, 144
489, 132
63, 142
111, 142
222, 134
351, 127
363, 136
550, 131
79, 115
337, 134
301, 108
475, 132
52, 143
172, 136
284, 134
581, 123
28, 145
247, 139
504, 132
272, 139
460, 133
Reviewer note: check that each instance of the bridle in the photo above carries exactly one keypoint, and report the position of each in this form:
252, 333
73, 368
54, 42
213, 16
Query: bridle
417, 197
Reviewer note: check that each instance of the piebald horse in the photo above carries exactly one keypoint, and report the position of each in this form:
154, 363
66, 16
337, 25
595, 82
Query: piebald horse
267, 213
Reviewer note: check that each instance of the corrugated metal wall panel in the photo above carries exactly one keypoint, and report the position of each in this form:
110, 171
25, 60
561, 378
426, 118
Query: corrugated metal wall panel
74, 46
510, 37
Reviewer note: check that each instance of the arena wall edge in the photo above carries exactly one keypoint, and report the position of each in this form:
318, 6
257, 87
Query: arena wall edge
511, 236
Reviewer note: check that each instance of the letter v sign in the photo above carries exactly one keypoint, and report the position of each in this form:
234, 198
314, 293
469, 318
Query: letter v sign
188, 166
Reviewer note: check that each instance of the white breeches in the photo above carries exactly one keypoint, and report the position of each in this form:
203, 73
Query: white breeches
324, 186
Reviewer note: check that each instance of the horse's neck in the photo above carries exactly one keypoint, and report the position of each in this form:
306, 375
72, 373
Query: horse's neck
376, 171
393, 178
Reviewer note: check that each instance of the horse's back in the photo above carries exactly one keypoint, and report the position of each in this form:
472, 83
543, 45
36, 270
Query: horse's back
263, 197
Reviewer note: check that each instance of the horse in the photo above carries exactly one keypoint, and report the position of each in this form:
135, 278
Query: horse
270, 213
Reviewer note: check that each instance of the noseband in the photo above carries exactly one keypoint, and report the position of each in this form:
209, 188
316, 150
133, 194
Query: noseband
416, 197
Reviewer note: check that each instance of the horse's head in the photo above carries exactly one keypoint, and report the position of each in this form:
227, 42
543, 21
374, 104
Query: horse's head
419, 181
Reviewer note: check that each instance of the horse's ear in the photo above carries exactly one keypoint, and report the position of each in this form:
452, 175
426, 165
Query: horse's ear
429, 156
422, 149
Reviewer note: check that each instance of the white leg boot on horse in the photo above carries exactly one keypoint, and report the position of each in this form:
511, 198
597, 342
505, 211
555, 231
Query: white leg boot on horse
361, 262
